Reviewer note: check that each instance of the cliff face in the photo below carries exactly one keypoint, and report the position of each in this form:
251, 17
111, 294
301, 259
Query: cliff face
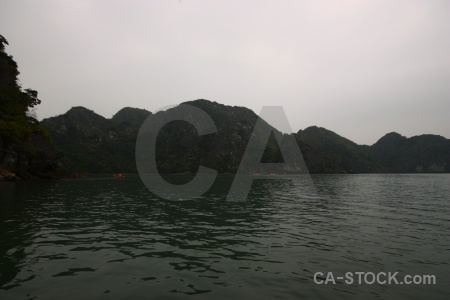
25, 148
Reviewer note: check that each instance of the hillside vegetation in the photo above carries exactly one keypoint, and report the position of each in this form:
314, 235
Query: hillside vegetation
94, 144
25, 149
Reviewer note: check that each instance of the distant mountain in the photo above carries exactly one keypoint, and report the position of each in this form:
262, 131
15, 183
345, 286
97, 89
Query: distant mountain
393, 153
94, 144
345, 155
180, 149
132, 117
424, 153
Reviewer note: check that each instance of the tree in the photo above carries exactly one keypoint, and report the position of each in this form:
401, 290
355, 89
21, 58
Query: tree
31, 98
3, 41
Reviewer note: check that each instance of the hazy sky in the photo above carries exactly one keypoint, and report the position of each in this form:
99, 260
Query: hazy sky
359, 68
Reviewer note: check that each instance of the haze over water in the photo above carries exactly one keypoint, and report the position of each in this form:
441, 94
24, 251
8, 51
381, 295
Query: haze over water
103, 238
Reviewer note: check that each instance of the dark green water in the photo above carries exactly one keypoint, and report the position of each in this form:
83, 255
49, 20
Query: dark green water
103, 238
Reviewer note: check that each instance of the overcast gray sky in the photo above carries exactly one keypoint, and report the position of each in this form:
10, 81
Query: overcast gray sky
359, 68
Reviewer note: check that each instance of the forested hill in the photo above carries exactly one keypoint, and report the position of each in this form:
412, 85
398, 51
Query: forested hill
25, 146
94, 144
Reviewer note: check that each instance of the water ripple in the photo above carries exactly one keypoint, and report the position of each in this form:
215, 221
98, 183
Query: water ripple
122, 242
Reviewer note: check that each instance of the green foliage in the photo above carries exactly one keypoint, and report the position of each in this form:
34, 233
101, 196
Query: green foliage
31, 98
130, 116
3, 42
93, 144
15, 102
